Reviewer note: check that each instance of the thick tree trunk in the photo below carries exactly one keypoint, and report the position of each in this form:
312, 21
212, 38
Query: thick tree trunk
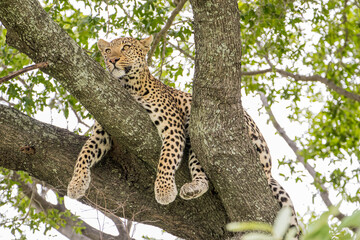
218, 133
123, 182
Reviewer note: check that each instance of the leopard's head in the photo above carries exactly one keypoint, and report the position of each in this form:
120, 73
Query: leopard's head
125, 56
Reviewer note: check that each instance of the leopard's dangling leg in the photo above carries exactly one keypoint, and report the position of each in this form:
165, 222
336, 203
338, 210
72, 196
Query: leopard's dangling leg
93, 150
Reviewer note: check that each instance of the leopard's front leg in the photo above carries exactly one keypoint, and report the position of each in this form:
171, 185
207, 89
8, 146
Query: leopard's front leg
171, 154
93, 150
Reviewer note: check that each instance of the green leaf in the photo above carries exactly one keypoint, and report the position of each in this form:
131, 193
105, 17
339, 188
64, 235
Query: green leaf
257, 236
351, 221
282, 222
248, 226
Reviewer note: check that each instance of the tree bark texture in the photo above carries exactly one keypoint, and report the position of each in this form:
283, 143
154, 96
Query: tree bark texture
123, 181
218, 132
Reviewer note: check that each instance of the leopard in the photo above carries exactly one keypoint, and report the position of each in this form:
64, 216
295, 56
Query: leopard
169, 109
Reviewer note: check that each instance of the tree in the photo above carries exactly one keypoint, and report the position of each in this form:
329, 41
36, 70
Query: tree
268, 41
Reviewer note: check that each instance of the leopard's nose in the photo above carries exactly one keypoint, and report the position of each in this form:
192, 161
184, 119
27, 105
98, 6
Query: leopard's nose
114, 60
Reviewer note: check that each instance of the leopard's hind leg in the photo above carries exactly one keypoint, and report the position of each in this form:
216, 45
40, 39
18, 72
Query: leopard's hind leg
199, 184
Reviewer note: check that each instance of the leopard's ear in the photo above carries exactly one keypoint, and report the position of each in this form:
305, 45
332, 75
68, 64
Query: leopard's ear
102, 45
147, 42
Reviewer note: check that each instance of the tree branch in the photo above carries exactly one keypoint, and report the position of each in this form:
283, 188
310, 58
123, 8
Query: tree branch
257, 72
163, 31
41, 204
24, 70
314, 78
323, 190
84, 78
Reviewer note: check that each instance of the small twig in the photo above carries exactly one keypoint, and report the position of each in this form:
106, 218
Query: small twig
24, 83
89, 130
3, 66
251, 73
314, 78
185, 53
344, 21
33, 189
78, 117
162, 58
123, 233
108, 21
357, 3
9, 103
24, 70
163, 31
156, 71
142, 29
126, 13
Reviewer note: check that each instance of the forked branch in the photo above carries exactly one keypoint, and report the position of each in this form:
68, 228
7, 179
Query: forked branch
24, 70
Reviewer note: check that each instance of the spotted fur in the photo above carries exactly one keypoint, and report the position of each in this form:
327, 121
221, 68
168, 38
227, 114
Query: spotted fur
169, 109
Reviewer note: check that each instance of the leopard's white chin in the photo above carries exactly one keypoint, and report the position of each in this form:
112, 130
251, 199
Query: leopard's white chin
118, 73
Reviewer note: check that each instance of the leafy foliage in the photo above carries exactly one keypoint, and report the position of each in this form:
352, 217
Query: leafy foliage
13, 198
317, 38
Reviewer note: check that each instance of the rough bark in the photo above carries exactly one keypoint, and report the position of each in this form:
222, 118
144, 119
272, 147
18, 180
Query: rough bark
218, 134
123, 182
31, 30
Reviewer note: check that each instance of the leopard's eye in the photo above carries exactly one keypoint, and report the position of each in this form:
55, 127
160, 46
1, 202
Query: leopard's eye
125, 47
107, 50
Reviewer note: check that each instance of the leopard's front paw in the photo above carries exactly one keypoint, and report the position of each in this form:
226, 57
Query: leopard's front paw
78, 185
194, 189
165, 190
